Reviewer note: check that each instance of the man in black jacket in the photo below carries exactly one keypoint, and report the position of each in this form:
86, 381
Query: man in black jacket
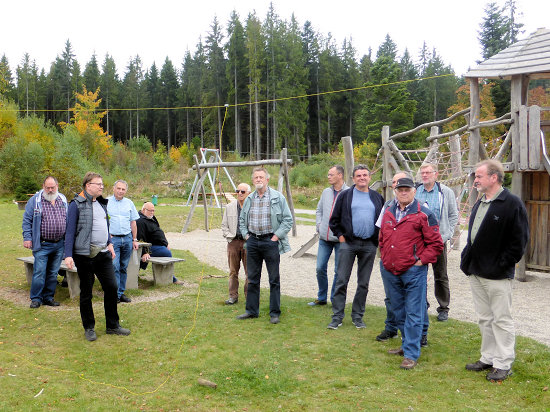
148, 230
498, 232
353, 223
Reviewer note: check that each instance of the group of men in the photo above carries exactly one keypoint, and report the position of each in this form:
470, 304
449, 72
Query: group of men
411, 232
93, 234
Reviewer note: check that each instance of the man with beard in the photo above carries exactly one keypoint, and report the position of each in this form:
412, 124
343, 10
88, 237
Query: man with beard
264, 222
44, 224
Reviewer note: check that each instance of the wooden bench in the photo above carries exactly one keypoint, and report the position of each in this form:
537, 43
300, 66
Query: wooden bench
73, 281
163, 269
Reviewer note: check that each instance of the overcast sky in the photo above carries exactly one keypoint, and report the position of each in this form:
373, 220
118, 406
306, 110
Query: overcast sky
156, 29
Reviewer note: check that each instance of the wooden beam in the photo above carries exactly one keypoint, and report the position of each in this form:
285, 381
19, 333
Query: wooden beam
347, 144
475, 137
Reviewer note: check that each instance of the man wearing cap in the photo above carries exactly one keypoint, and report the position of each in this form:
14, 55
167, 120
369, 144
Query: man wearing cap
441, 200
353, 223
123, 228
409, 240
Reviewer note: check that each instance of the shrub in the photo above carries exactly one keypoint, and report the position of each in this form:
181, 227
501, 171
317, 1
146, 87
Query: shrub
140, 144
25, 186
20, 159
8, 120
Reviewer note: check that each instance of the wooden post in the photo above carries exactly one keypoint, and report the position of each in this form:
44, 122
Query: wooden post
475, 137
348, 155
200, 183
288, 192
456, 171
386, 170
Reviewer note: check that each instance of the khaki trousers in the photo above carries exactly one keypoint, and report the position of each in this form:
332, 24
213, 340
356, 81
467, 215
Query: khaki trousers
493, 305
235, 254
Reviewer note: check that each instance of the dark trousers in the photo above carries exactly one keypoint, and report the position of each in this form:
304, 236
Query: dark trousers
258, 251
441, 282
365, 251
102, 267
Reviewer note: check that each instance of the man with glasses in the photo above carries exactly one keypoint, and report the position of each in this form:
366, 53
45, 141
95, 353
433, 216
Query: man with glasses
353, 223
441, 200
88, 246
327, 241
44, 224
236, 252
123, 228
148, 230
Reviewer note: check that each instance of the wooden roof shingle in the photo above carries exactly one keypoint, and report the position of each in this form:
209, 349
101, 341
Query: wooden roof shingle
527, 56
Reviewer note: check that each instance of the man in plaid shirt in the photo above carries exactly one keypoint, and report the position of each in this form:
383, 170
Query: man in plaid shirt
44, 224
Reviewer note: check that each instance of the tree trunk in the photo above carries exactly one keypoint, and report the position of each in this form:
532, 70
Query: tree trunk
257, 117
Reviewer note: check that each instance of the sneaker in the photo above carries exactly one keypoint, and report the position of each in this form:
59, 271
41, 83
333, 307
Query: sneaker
335, 324
443, 316
385, 335
478, 366
118, 331
51, 303
359, 324
424, 341
498, 375
90, 335
396, 351
35, 304
317, 302
274, 320
408, 364
231, 301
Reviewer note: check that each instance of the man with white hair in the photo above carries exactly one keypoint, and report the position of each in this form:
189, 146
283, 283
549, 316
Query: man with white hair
236, 253
123, 229
44, 223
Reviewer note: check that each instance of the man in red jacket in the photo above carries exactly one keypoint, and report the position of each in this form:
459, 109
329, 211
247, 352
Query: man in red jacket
409, 240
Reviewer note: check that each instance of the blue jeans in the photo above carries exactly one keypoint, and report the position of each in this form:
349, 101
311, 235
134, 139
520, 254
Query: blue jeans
123, 250
407, 293
46, 265
323, 255
258, 251
161, 251
365, 251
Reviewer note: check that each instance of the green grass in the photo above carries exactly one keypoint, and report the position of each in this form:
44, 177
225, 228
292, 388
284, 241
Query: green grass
296, 365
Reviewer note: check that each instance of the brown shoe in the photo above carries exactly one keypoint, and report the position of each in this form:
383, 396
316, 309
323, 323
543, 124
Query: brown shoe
407, 364
398, 351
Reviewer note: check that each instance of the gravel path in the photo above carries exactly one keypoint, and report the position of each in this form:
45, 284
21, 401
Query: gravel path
298, 279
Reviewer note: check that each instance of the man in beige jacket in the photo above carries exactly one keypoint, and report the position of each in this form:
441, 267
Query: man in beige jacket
235, 246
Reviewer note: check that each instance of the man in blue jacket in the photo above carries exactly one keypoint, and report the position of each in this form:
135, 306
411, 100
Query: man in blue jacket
353, 223
265, 221
44, 224
88, 246
498, 233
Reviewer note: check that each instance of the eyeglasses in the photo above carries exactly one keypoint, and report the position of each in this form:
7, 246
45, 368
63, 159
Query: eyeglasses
150, 210
427, 173
99, 184
241, 191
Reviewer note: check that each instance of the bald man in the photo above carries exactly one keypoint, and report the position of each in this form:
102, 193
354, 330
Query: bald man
148, 230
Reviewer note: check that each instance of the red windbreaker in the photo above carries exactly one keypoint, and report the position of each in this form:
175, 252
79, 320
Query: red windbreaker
416, 236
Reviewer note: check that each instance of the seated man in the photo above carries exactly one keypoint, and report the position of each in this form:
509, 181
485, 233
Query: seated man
148, 230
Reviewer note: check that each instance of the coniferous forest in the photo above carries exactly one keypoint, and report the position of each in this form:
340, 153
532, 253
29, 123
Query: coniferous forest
268, 82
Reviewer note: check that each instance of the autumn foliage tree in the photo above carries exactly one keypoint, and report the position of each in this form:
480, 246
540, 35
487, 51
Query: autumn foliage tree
96, 143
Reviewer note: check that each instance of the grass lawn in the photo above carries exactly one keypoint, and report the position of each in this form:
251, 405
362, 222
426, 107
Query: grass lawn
45, 362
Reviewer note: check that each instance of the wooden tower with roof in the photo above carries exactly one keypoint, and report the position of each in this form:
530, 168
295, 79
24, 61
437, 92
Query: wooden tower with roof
526, 142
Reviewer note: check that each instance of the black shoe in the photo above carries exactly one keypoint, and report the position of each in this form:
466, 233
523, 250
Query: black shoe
443, 316
90, 335
118, 331
231, 301
274, 320
124, 299
385, 335
335, 324
246, 315
498, 375
35, 304
424, 341
478, 366
317, 302
50, 303
359, 324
